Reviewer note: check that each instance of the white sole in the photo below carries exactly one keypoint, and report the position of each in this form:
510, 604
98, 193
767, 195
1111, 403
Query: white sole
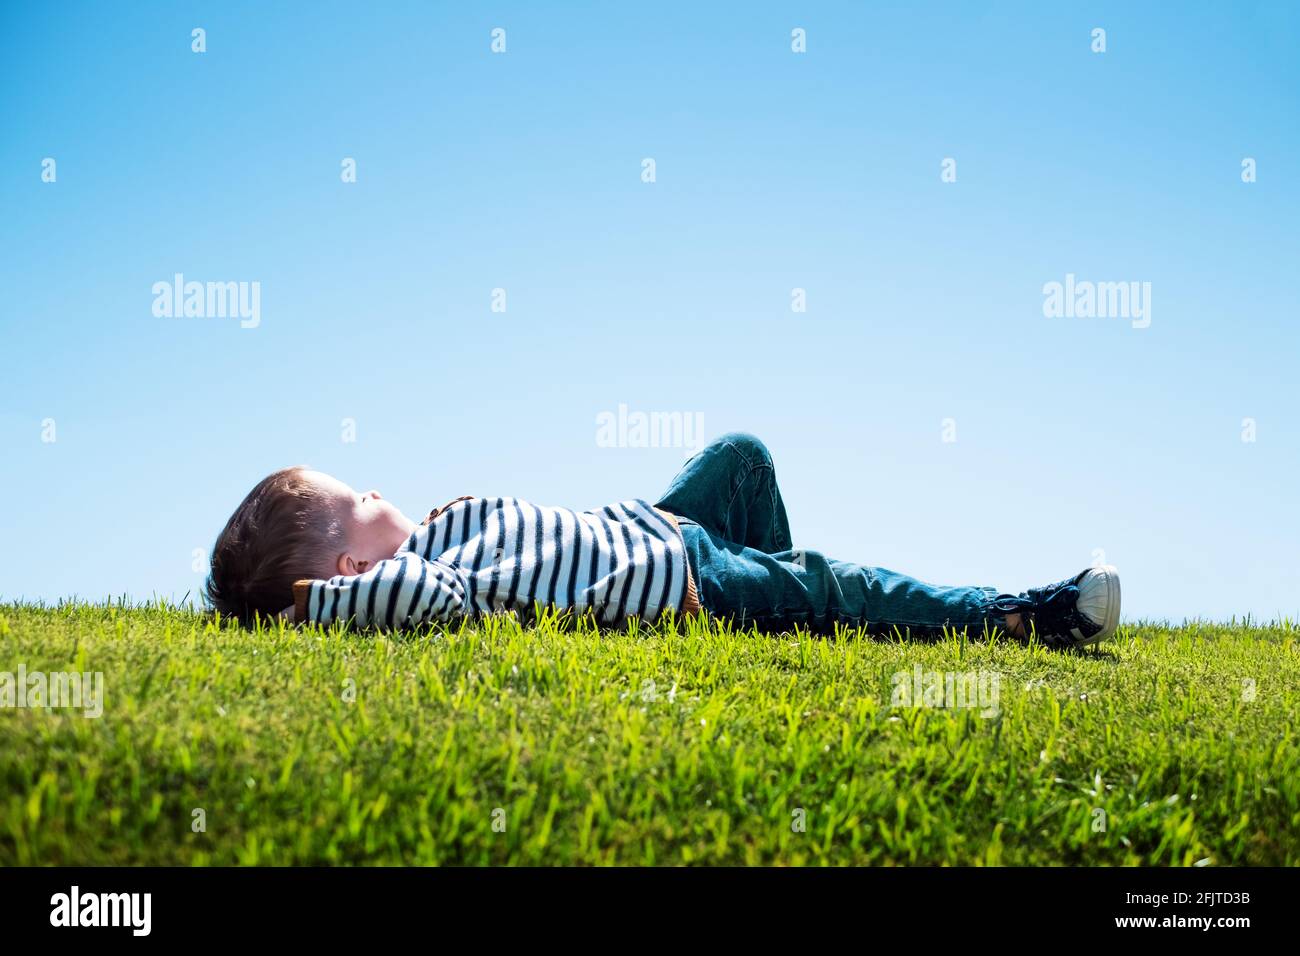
1110, 575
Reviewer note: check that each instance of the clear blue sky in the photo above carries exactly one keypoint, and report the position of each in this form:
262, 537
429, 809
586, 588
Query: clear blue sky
774, 170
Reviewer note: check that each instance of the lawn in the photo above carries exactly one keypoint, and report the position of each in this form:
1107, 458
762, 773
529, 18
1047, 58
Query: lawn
496, 743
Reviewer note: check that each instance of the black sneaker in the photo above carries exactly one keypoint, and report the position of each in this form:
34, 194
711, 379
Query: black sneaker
1081, 610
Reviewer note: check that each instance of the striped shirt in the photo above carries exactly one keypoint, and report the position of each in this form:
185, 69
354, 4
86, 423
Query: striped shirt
486, 555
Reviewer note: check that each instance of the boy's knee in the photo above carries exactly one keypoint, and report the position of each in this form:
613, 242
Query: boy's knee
750, 447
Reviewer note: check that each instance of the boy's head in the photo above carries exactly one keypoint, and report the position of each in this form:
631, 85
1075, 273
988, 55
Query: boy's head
298, 523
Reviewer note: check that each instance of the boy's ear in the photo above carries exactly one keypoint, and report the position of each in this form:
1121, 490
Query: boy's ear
346, 565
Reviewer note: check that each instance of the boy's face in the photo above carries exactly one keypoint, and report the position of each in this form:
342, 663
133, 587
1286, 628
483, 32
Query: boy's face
373, 529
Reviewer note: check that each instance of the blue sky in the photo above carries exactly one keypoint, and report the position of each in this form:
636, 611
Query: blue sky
773, 170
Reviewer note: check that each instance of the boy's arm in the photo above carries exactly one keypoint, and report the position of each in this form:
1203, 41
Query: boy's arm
403, 591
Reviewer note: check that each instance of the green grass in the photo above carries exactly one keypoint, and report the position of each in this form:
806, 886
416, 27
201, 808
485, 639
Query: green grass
688, 744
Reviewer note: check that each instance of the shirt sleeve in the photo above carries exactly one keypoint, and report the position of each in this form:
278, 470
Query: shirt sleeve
403, 591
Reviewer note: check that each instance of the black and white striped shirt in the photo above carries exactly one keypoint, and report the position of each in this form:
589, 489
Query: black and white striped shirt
485, 555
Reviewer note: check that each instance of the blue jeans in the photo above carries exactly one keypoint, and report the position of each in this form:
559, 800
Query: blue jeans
747, 570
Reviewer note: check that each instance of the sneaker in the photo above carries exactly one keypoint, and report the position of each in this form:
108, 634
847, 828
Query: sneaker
1076, 612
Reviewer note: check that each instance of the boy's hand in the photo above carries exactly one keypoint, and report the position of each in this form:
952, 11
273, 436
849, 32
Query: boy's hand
287, 614
437, 511
297, 611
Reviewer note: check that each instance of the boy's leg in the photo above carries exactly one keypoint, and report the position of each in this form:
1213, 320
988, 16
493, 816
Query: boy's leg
778, 591
729, 488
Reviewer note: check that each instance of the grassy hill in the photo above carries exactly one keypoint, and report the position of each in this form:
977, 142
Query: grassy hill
498, 743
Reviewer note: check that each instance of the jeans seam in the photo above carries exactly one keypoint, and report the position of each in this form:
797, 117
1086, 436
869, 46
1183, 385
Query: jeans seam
776, 531
771, 495
736, 448
741, 484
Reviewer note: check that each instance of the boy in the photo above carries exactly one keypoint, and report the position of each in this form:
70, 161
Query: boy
718, 541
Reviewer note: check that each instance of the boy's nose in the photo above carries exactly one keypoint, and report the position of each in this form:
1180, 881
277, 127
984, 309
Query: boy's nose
376, 495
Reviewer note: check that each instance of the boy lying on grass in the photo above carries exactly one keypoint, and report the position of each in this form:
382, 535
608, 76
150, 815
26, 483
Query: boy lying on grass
718, 541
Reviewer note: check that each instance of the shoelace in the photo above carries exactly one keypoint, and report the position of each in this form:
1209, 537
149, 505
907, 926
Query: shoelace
1048, 608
